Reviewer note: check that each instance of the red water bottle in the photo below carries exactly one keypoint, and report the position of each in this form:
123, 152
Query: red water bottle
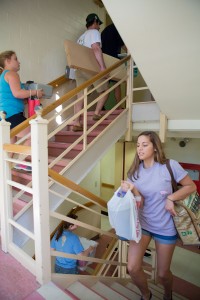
32, 102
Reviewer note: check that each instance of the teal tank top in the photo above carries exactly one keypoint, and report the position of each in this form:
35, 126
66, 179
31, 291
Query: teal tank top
8, 103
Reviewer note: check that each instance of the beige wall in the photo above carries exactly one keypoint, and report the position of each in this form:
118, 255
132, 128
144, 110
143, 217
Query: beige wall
36, 30
163, 38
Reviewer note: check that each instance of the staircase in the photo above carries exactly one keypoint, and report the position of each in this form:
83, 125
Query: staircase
91, 290
98, 145
99, 141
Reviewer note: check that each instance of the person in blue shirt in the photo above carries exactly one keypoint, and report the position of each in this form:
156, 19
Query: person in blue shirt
66, 241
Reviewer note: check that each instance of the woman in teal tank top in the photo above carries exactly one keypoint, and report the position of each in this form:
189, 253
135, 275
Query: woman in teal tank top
12, 94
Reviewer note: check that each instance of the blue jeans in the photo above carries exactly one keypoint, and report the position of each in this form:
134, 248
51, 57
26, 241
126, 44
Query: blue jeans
62, 270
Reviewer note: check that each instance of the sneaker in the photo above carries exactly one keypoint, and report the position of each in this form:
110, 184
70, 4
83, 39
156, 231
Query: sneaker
23, 167
77, 128
97, 117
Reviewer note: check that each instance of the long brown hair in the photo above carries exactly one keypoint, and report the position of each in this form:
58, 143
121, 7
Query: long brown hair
3, 56
159, 155
65, 225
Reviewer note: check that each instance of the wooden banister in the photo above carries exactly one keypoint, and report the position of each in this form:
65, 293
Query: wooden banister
75, 187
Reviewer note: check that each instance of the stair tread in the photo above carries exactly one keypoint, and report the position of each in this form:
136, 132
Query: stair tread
157, 291
125, 291
107, 291
62, 162
115, 112
65, 145
133, 287
78, 133
22, 174
82, 291
51, 292
91, 122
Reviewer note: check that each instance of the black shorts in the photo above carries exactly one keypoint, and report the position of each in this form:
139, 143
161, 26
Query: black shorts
16, 119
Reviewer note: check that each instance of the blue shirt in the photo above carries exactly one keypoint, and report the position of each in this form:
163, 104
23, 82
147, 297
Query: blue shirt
69, 243
8, 103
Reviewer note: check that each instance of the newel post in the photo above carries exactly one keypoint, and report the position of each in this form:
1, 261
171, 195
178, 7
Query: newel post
39, 139
5, 173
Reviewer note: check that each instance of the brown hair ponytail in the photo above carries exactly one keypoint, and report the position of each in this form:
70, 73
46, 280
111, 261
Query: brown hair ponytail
64, 226
3, 56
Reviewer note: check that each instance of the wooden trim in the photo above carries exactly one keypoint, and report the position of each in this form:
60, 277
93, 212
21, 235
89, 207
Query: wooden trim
75, 187
58, 81
17, 148
107, 185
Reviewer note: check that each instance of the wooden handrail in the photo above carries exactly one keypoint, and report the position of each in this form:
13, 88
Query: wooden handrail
17, 148
75, 187
58, 81
67, 96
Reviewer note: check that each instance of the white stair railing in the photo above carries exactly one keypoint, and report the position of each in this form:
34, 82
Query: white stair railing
40, 266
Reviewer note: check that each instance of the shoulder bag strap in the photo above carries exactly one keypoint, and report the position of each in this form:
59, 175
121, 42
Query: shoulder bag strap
174, 184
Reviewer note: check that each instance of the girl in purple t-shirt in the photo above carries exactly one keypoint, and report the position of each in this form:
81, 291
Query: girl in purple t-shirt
149, 176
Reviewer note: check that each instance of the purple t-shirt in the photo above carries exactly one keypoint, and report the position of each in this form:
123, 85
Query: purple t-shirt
154, 184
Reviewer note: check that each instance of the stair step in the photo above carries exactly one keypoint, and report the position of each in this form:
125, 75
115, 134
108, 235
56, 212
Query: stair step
20, 176
115, 112
83, 292
60, 164
158, 289
90, 123
51, 292
134, 288
129, 294
55, 149
107, 292
71, 136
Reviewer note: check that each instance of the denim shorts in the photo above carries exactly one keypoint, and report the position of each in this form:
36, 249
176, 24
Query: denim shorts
62, 270
162, 239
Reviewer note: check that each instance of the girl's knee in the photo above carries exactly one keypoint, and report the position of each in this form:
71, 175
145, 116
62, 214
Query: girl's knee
164, 275
133, 269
